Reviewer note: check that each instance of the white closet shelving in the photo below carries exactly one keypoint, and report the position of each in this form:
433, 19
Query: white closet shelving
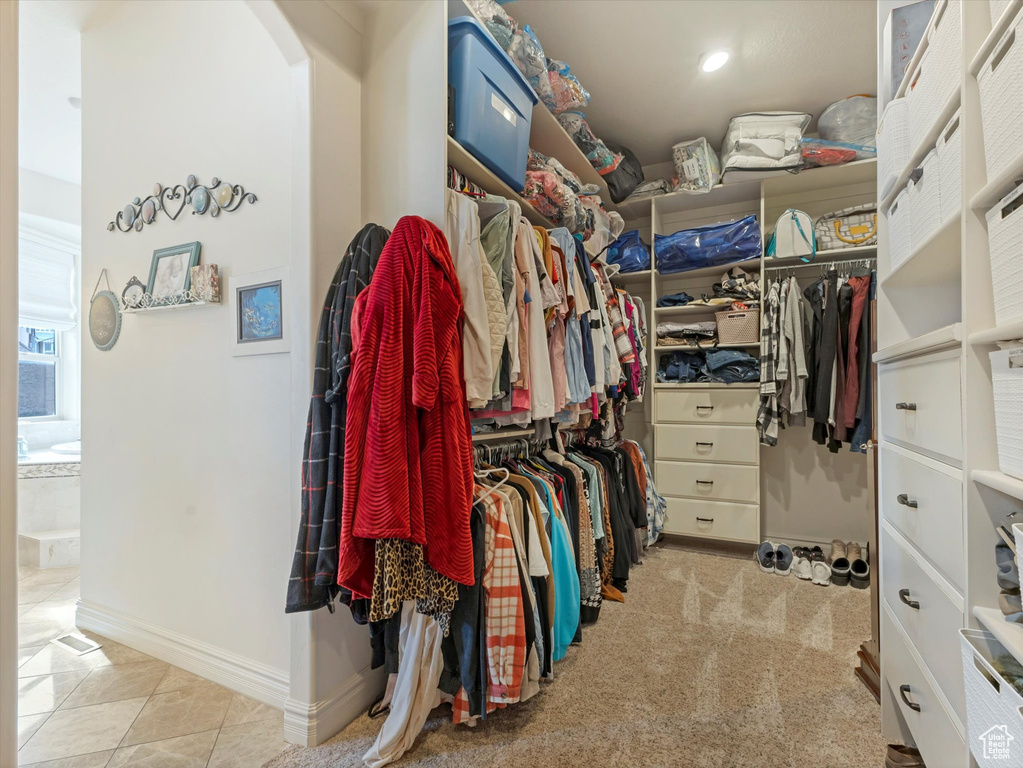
936, 412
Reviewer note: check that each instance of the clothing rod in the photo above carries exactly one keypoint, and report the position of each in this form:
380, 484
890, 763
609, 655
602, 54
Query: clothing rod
862, 261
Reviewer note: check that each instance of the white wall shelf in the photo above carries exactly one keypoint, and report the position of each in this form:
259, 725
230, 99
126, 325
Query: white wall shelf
1008, 633
1007, 332
926, 144
825, 257
1007, 484
503, 434
935, 341
695, 348
706, 385
999, 186
994, 35
462, 161
162, 307
936, 260
689, 309
632, 277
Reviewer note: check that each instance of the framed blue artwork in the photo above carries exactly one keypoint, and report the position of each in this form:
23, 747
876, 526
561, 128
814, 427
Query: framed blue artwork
259, 313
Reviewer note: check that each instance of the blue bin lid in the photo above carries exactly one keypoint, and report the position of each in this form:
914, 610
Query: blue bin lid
470, 25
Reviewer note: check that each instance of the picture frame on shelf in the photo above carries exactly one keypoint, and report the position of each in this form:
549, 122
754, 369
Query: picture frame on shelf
170, 274
260, 313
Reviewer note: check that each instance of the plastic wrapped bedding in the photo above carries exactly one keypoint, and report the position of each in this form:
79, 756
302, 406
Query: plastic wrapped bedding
649, 189
708, 246
538, 161
546, 192
696, 165
566, 92
601, 158
762, 144
602, 227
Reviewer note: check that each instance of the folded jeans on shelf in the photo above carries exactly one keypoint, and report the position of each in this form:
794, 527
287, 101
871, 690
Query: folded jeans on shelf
679, 299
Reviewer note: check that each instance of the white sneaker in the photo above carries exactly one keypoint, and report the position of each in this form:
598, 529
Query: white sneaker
821, 573
802, 567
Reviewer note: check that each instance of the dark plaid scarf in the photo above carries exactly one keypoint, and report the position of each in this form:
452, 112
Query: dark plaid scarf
313, 582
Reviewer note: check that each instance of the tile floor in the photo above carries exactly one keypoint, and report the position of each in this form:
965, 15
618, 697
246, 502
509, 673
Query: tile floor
116, 707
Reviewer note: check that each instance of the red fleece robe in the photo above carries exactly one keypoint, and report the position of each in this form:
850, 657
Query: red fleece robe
408, 446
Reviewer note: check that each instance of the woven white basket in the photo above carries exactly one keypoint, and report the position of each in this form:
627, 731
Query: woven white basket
992, 704
1001, 99
1005, 243
945, 38
925, 199
950, 157
1007, 385
900, 229
921, 96
738, 327
997, 9
892, 144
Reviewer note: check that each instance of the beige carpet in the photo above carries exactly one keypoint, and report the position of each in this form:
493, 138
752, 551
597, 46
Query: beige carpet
708, 663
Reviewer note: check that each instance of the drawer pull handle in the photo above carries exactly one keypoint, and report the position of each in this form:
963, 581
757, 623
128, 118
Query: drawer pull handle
709, 445
903, 690
905, 406
705, 407
705, 519
705, 482
905, 501
904, 597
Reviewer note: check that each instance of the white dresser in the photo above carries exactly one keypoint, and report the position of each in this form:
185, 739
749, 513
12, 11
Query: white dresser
708, 460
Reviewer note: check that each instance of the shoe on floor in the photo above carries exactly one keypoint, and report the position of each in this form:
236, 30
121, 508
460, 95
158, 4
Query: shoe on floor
765, 556
821, 572
859, 571
900, 756
783, 560
838, 551
802, 566
839, 563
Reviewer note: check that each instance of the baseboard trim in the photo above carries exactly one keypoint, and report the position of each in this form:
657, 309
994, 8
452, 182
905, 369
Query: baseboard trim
312, 724
239, 674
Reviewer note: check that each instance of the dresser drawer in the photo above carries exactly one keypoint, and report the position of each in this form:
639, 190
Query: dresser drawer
934, 731
713, 520
923, 500
920, 405
927, 614
692, 442
702, 480
707, 406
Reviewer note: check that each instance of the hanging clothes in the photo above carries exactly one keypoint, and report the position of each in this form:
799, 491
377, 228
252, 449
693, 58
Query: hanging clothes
408, 456
313, 582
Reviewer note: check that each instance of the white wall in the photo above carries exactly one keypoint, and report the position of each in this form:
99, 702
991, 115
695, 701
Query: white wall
49, 197
188, 477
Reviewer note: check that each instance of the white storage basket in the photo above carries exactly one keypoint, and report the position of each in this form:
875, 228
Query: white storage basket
950, 158
900, 232
1001, 99
1005, 243
997, 9
994, 725
921, 95
892, 144
1007, 384
925, 198
945, 39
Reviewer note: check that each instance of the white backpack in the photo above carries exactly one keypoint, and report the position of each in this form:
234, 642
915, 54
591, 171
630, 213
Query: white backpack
793, 236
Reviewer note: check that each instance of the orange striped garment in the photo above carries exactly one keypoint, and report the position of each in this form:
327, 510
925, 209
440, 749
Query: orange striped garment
408, 449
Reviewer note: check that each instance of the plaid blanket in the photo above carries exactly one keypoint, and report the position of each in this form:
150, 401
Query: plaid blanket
313, 582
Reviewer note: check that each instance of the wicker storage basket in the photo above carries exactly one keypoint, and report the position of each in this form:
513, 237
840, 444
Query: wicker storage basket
950, 156
738, 326
997, 9
1001, 99
945, 38
892, 145
922, 97
1005, 242
925, 199
1007, 385
992, 703
900, 229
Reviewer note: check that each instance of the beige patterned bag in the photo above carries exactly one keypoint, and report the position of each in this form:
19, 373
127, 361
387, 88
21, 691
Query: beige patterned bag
847, 228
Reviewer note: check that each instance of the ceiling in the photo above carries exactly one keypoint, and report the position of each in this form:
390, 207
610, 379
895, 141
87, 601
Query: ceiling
639, 59
50, 60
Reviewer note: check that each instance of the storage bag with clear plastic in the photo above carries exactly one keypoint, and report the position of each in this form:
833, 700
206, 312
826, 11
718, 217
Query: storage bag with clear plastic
762, 144
710, 246
696, 164
629, 252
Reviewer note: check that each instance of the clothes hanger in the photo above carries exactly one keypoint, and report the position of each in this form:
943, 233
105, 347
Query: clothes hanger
485, 474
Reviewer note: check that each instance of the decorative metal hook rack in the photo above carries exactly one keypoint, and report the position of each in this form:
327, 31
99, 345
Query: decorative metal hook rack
214, 199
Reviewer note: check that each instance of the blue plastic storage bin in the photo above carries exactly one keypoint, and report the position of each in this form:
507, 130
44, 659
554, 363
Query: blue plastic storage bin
712, 246
493, 101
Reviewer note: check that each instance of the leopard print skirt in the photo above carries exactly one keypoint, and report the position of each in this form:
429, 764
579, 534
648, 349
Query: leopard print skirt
401, 573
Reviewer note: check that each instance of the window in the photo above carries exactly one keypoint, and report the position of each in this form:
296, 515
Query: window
48, 337
38, 358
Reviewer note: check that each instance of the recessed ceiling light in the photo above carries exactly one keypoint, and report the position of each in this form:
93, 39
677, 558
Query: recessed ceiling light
713, 60
75, 102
